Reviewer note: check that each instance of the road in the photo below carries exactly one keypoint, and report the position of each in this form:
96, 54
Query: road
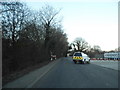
63, 73
66, 74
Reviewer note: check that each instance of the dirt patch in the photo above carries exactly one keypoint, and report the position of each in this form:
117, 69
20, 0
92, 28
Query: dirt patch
19, 74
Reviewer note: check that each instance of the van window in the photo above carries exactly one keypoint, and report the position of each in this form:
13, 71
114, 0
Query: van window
77, 54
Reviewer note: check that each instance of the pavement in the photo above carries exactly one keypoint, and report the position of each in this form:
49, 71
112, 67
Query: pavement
29, 79
107, 63
63, 73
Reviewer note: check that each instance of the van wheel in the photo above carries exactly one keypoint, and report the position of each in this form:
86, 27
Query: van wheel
75, 62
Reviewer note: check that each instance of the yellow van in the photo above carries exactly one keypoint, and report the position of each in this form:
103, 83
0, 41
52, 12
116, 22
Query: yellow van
80, 57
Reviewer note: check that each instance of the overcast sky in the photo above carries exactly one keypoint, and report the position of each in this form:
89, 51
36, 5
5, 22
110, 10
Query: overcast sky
94, 20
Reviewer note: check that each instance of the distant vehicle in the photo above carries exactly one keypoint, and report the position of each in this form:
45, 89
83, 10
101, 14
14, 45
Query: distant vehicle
53, 57
79, 57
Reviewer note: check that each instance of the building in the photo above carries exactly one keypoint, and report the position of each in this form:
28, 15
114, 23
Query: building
112, 55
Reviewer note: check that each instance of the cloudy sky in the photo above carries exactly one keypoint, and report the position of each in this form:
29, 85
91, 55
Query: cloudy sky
94, 20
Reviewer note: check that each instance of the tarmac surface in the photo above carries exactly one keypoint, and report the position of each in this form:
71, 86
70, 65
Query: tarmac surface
63, 73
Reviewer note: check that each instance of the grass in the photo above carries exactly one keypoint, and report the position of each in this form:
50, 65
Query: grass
18, 74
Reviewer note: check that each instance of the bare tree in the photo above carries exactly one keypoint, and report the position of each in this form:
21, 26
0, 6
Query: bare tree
96, 49
49, 19
33, 35
74, 46
81, 44
13, 15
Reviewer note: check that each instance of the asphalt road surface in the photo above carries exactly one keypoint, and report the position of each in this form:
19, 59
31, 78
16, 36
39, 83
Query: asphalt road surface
66, 74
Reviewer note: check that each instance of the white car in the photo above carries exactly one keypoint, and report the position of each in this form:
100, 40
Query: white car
80, 57
86, 58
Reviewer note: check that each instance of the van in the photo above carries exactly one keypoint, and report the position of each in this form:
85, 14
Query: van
80, 57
